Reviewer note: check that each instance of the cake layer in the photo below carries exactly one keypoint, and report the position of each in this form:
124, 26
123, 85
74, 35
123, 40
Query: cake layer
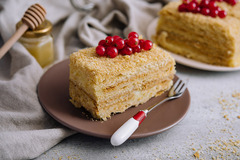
128, 83
192, 49
119, 103
210, 40
117, 91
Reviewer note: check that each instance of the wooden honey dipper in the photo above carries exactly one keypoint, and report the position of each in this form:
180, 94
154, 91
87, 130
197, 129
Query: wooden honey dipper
32, 18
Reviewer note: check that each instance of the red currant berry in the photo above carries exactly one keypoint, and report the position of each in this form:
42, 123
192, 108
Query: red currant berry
205, 11
116, 37
182, 8
191, 6
109, 40
102, 43
147, 45
125, 41
212, 5
222, 14
213, 13
126, 50
197, 10
141, 42
232, 2
119, 43
100, 50
218, 8
204, 3
133, 42
137, 49
112, 52
133, 34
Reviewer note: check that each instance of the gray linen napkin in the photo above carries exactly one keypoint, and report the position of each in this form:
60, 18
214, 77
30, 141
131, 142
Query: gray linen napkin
26, 130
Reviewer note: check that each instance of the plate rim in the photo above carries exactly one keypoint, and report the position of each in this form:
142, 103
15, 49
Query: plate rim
186, 61
134, 136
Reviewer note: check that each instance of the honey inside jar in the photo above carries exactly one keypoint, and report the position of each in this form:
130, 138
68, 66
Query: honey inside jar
39, 43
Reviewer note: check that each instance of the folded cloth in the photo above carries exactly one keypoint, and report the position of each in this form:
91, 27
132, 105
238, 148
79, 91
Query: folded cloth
26, 130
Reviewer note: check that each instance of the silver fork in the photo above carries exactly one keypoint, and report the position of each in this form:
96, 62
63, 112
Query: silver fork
176, 91
130, 126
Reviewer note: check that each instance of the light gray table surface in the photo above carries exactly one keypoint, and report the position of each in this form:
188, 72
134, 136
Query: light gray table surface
211, 128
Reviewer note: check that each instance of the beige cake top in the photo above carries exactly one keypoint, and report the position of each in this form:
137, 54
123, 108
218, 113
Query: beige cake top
122, 64
232, 19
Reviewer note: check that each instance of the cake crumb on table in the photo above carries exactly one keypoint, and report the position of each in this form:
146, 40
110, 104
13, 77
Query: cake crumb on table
226, 117
236, 95
196, 154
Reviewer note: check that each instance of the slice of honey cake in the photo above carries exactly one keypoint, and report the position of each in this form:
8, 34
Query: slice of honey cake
207, 31
104, 85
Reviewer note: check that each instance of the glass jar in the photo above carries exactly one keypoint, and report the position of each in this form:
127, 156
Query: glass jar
39, 42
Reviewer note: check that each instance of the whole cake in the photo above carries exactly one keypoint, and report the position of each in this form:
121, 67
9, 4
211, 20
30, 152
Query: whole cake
207, 31
105, 85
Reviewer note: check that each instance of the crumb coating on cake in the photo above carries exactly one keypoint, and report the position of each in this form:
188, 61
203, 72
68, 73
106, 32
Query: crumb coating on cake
100, 67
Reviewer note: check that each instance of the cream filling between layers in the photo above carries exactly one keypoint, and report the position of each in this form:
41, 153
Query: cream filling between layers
117, 93
128, 82
192, 49
196, 46
119, 103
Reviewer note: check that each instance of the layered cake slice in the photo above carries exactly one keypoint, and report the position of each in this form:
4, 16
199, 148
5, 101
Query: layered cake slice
104, 85
207, 31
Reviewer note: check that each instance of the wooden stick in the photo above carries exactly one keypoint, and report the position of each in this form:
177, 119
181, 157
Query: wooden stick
13, 39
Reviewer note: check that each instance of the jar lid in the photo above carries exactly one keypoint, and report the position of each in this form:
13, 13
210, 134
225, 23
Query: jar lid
43, 29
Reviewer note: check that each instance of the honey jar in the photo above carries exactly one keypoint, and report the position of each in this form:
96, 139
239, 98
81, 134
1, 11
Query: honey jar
39, 42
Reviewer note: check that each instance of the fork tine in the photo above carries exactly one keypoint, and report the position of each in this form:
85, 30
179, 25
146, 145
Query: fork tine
179, 87
176, 84
183, 88
172, 89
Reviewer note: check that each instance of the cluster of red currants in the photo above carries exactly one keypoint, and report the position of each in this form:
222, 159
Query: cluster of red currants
205, 7
114, 45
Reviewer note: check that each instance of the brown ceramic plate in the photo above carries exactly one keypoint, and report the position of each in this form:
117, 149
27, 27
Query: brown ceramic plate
54, 97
